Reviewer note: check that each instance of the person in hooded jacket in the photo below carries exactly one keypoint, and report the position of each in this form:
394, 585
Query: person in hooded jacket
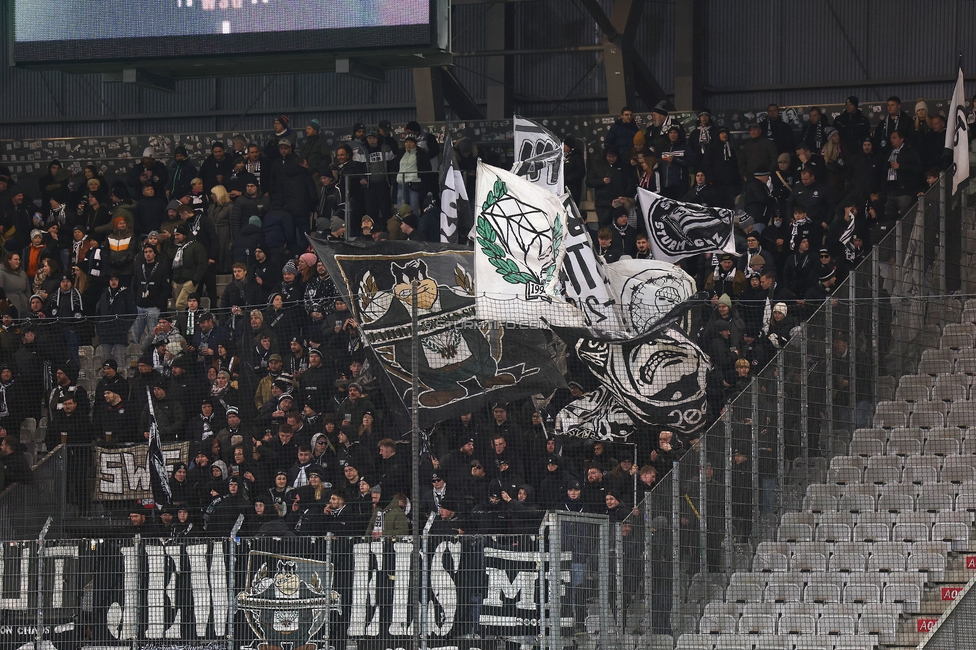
182, 172
699, 139
216, 168
799, 269
150, 212
611, 181
116, 313
247, 239
55, 179
222, 513
721, 166
315, 151
674, 166
293, 185
380, 163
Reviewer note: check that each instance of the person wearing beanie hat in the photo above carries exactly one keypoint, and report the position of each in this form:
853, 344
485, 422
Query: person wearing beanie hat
758, 153
181, 172
190, 264
307, 261
316, 152
725, 278
282, 131
380, 161
853, 127
147, 169
408, 226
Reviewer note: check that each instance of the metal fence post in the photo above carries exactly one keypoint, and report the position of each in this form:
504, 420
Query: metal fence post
943, 199
329, 585
555, 583
827, 437
852, 343
39, 633
618, 570
232, 602
875, 284
781, 433
804, 396
702, 506
675, 546
727, 542
648, 572
754, 452
603, 563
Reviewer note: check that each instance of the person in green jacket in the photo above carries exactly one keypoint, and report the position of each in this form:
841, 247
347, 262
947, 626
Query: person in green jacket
390, 521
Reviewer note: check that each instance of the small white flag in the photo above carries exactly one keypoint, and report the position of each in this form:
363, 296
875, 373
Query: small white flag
957, 135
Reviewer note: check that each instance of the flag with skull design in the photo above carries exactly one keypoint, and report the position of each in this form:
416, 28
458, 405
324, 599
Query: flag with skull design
464, 361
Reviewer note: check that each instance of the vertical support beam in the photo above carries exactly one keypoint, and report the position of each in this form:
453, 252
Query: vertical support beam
688, 55
498, 23
619, 72
428, 94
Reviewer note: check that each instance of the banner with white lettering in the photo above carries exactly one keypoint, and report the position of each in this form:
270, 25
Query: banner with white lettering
121, 474
677, 230
179, 593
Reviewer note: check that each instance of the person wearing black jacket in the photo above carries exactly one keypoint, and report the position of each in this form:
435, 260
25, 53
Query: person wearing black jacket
611, 180
853, 127
216, 168
814, 133
700, 138
903, 176
759, 203
895, 120
148, 169
865, 173
703, 192
115, 314
151, 289
16, 469
931, 145
182, 171
574, 168
112, 379
775, 129
816, 199
721, 166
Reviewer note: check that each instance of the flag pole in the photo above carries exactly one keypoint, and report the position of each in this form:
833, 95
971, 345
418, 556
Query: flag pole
417, 448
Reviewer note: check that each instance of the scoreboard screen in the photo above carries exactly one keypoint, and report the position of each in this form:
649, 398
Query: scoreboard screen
58, 31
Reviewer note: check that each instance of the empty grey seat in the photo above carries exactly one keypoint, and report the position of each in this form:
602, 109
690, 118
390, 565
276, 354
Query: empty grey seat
835, 625
872, 447
797, 624
872, 533
942, 447
933, 564
933, 501
848, 474
847, 562
962, 415
934, 367
870, 433
743, 593
937, 547
757, 624
904, 446
833, 533
723, 609
883, 469
695, 642
765, 548
966, 501
886, 562
901, 548
928, 419
769, 562
908, 596
820, 503
957, 469
910, 533
885, 626
798, 518
856, 503
896, 502
953, 532
862, 593
795, 533
717, 624
808, 562
782, 593
949, 392
912, 393
825, 489
811, 547
821, 593
920, 475
861, 548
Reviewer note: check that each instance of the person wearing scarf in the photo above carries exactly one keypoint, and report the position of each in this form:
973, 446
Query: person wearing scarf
66, 306
115, 314
721, 165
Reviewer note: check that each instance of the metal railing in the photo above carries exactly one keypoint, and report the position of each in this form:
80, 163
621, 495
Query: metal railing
729, 490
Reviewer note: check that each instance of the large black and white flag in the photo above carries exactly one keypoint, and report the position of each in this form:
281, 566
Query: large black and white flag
677, 230
957, 136
155, 462
538, 155
463, 361
455, 206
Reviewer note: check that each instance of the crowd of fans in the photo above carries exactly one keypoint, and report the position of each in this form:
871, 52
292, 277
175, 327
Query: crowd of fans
271, 384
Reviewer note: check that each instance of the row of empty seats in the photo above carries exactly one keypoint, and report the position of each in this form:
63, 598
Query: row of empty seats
879, 619
908, 467
773, 642
900, 589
